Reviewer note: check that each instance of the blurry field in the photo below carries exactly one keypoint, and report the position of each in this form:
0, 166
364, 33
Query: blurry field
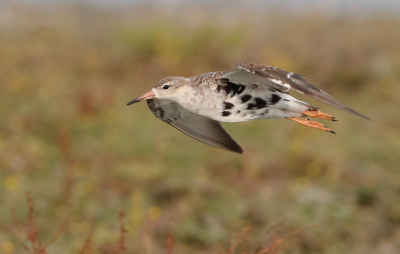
68, 138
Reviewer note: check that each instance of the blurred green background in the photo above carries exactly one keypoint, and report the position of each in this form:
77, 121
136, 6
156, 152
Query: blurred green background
68, 138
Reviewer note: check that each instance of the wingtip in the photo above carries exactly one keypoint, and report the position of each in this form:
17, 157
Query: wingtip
236, 149
368, 118
360, 115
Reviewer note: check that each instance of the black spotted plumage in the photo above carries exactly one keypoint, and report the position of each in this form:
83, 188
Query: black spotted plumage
241, 89
226, 113
230, 88
236, 88
258, 104
246, 98
227, 89
228, 105
275, 99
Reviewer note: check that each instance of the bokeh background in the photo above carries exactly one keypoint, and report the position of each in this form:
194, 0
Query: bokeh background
68, 68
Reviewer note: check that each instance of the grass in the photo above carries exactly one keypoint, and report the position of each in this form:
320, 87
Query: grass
99, 171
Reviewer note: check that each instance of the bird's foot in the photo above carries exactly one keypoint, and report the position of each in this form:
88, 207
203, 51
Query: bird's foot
318, 114
311, 124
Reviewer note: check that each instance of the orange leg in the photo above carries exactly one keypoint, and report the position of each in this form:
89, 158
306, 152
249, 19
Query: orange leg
318, 114
311, 124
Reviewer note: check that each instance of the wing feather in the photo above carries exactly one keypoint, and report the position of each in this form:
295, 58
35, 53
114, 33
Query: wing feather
283, 78
196, 126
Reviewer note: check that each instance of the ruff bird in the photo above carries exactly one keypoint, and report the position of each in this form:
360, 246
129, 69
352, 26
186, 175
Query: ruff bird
196, 105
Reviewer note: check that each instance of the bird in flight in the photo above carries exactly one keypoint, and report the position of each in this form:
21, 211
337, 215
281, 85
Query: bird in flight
196, 105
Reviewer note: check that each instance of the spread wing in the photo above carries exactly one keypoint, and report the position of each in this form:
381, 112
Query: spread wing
250, 73
196, 126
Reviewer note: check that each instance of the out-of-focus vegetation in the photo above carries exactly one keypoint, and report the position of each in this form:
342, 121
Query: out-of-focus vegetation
68, 138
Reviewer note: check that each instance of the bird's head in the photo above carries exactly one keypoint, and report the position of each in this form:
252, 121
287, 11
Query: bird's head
170, 88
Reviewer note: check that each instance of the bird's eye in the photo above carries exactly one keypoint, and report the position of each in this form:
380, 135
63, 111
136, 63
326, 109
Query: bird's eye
165, 87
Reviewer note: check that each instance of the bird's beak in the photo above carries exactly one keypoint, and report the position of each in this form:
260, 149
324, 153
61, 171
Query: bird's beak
146, 96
